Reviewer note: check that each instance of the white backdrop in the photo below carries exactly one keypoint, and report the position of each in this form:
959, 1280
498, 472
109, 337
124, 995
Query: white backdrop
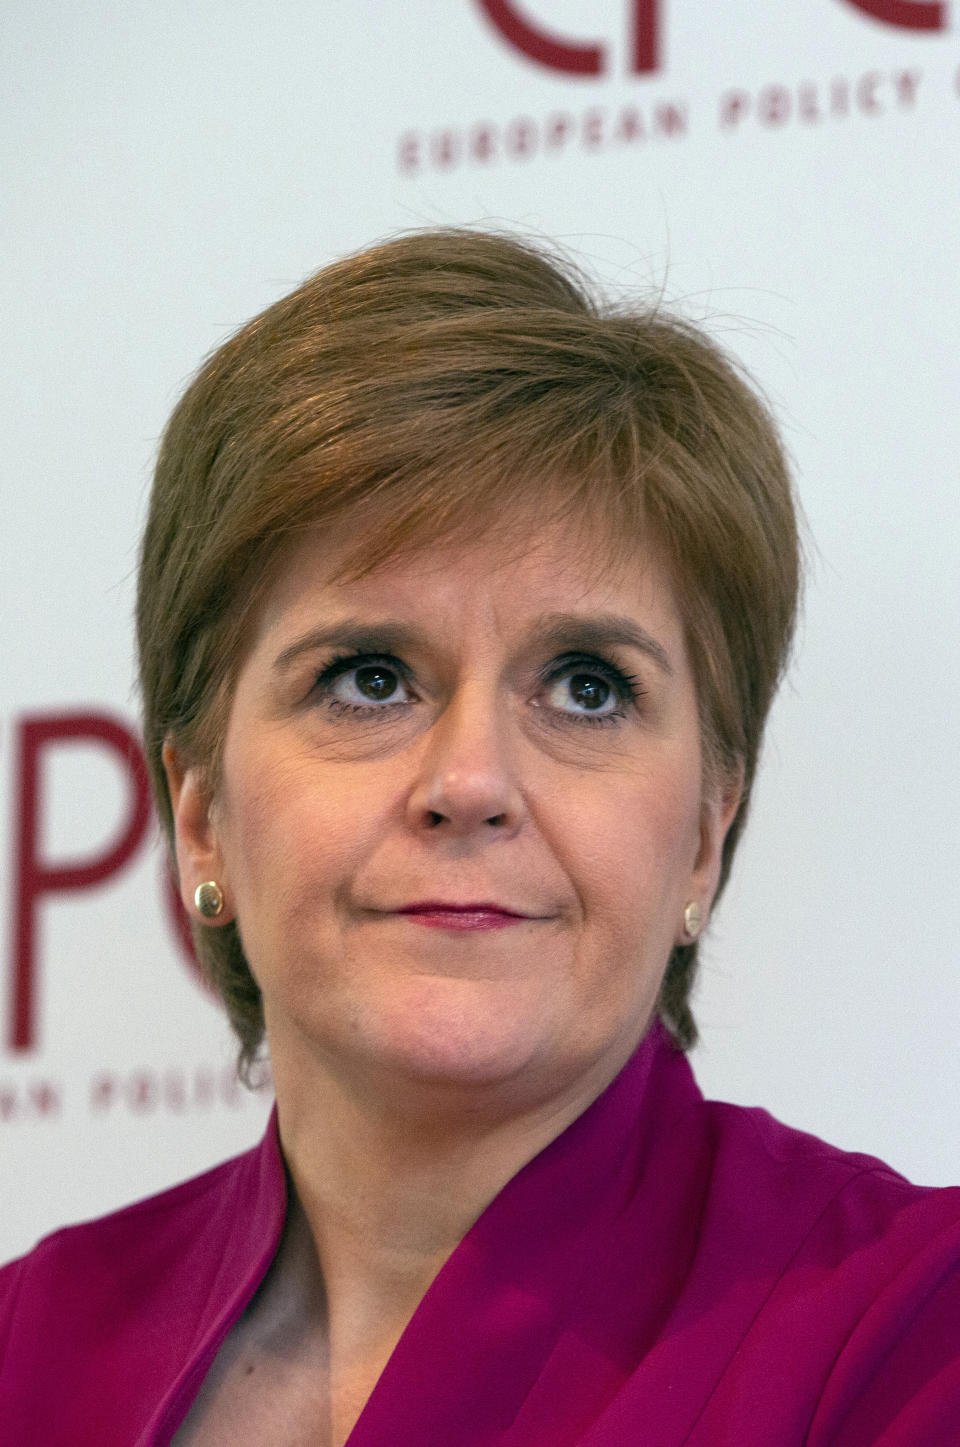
787, 173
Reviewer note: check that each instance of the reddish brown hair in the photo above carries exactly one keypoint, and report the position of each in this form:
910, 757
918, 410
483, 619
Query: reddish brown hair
430, 384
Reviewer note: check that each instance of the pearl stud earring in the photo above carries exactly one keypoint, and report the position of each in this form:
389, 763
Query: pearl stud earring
692, 919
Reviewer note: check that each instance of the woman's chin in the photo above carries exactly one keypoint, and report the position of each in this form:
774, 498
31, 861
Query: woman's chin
458, 1035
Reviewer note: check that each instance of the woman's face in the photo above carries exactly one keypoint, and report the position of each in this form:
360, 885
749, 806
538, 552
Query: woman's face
464, 729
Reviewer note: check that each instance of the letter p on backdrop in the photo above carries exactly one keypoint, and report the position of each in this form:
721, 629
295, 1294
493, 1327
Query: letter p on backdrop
33, 877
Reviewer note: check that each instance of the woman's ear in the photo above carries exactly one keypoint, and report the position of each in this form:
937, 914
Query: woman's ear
721, 800
196, 841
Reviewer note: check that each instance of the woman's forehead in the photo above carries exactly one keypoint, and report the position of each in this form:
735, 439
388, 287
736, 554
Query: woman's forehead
513, 574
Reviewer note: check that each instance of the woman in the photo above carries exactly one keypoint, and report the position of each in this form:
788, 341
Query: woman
462, 603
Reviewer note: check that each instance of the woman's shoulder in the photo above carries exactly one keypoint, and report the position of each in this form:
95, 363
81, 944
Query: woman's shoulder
752, 1140
832, 1233
755, 1178
774, 1172
831, 1267
97, 1241
67, 1267
176, 1252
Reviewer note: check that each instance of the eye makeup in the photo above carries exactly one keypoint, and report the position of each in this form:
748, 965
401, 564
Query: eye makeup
624, 687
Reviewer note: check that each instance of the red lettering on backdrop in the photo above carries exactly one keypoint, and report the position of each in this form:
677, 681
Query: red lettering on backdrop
593, 128
630, 125
33, 877
408, 152
908, 14
867, 93
590, 57
45, 1098
907, 82
539, 45
521, 137
671, 120
483, 142
571, 57
559, 127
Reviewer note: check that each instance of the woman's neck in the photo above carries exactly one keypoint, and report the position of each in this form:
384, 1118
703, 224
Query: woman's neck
387, 1181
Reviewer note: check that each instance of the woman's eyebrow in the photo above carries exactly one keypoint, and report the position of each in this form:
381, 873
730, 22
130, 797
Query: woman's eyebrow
596, 631
361, 635
556, 632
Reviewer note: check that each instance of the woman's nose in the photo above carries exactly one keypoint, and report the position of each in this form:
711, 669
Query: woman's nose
467, 779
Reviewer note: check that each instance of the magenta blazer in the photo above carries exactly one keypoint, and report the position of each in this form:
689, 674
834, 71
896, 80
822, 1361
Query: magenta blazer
669, 1270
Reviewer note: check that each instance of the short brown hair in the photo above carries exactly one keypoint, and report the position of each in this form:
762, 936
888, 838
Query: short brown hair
438, 380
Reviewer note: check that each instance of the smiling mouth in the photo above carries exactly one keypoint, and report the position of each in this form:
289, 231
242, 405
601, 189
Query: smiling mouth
439, 915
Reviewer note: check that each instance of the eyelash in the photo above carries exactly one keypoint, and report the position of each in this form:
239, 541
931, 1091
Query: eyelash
626, 686
344, 663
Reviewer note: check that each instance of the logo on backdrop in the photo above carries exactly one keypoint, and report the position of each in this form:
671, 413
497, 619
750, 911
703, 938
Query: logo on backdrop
590, 57
907, 14
578, 57
38, 880
614, 121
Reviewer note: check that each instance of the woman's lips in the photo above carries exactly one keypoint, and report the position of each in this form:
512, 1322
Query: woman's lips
437, 915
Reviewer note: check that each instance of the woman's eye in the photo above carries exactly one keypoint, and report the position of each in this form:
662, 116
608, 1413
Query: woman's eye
363, 685
584, 693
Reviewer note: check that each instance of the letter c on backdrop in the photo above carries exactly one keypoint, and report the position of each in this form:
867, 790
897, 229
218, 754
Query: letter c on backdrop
907, 14
540, 45
586, 58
